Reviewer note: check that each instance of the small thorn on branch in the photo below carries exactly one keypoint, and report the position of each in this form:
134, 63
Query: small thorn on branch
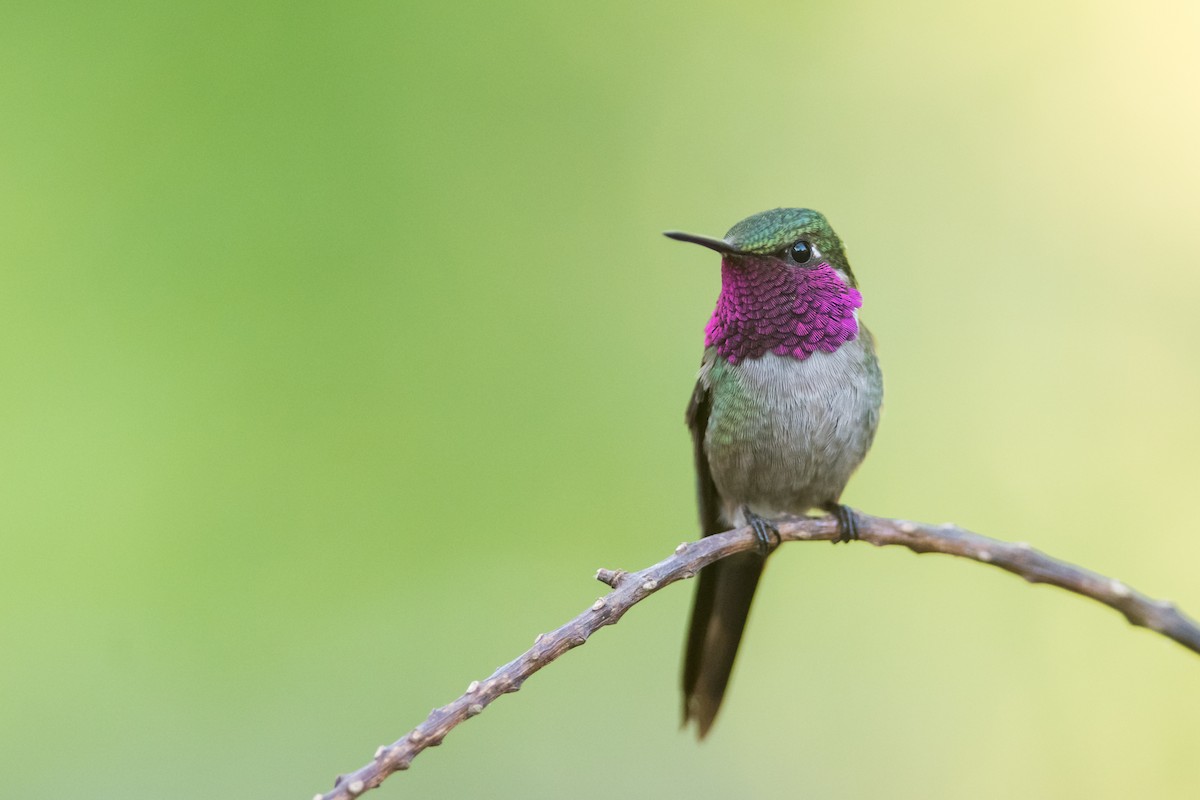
612, 577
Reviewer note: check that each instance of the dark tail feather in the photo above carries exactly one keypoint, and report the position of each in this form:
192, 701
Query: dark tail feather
718, 618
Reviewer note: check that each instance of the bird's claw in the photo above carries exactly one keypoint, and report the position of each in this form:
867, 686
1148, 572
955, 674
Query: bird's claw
847, 522
765, 532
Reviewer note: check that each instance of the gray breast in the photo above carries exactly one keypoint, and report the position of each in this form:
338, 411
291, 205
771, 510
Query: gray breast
784, 435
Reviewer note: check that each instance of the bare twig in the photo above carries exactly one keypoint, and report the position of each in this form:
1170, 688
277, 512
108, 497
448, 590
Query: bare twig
629, 588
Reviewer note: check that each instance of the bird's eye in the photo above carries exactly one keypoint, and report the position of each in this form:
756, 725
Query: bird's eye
801, 252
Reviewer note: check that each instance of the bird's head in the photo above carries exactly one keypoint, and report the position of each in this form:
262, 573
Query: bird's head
782, 238
786, 286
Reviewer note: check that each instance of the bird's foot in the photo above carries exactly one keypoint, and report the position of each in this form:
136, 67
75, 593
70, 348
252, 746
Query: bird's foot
847, 522
765, 532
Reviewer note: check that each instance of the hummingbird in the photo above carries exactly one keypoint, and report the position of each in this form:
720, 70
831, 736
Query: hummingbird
784, 410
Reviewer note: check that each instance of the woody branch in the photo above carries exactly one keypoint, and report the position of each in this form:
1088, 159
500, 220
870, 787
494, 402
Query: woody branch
630, 588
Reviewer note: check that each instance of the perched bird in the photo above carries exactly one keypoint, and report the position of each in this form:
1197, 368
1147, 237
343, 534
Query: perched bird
784, 410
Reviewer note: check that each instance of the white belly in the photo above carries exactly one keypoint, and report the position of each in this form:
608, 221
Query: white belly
784, 434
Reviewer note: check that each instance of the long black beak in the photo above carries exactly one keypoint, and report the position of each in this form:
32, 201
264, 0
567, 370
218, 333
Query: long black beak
720, 245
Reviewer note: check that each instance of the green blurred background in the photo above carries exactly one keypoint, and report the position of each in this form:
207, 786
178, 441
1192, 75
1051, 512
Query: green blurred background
339, 347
